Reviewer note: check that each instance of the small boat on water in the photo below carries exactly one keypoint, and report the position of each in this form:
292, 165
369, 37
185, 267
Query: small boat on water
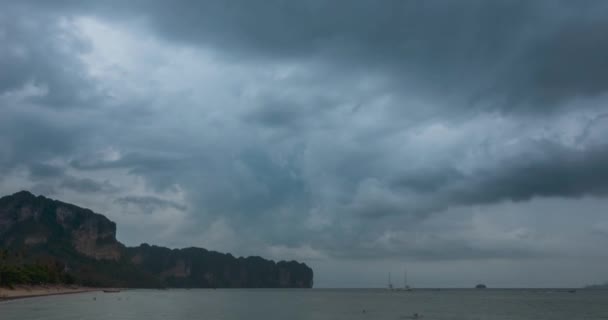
406, 286
111, 290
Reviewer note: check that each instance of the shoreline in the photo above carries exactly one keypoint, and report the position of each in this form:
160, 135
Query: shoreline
24, 292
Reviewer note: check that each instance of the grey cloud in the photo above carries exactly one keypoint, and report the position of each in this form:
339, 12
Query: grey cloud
149, 203
48, 62
33, 137
86, 185
562, 172
427, 181
591, 124
41, 72
563, 64
330, 155
44, 189
133, 160
558, 171
277, 115
289, 115
516, 55
441, 250
41, 171
161, 170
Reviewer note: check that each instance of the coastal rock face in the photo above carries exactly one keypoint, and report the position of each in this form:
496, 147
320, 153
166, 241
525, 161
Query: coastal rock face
30, 221
96, 238
196, 267
85, 243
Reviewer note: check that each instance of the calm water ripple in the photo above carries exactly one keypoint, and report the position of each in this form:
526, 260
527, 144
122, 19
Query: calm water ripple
316, 304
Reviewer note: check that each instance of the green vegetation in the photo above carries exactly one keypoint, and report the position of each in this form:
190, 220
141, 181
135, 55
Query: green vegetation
14, 272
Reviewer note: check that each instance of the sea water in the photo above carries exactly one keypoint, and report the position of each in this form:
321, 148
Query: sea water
283, 304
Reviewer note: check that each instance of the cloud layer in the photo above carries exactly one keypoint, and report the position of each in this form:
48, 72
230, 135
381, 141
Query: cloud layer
377, 133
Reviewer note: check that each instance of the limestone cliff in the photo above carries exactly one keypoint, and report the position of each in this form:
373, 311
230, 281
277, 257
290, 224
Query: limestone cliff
85, 243
27, 221
196, 267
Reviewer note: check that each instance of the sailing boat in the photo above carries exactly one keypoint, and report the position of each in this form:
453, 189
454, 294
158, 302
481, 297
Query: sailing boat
390, 283
406, 287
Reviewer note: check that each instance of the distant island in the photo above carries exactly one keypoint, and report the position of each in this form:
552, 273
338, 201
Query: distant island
481, 286
44, 241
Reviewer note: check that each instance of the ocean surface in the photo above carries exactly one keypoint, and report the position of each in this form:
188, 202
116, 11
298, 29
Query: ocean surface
319, 304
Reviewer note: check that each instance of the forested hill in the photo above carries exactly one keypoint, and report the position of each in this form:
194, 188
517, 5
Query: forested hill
48, 241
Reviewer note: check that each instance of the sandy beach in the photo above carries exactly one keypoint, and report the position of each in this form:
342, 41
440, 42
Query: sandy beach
19, 292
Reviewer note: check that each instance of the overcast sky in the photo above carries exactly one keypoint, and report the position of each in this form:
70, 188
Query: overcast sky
464, 140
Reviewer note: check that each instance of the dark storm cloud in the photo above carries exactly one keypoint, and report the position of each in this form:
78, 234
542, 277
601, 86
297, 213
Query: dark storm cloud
41, 171
441, 250
29, 135
561, 172
150, 203
38, 50
289, 113
277, 115
40, 72
86, 185
428, 181
555, 171
324, 159
514, 55
44, 189
133, 160
257, 189
564, 64
161, 170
